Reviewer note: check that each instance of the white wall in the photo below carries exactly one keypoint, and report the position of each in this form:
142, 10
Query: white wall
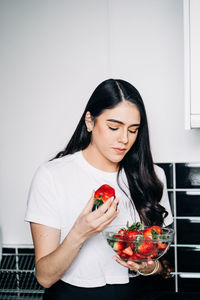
54, 53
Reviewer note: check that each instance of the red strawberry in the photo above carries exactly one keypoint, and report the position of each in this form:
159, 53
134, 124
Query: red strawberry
137, 256
121, 232
147, 233
133, 256
102, 195
128, 251
132, 234
117, 236
146, 248
122, 254
140, 256
154, 255
161, 246
157, 229
117, 246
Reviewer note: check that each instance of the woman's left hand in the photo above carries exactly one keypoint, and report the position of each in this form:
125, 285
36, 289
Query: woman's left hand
144, 267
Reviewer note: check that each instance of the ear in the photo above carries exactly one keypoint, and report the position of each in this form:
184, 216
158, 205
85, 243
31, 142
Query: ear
89, 121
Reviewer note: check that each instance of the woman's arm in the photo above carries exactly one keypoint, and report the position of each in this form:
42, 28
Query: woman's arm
53, 260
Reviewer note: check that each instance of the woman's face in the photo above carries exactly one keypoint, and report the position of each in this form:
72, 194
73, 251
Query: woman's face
114, 132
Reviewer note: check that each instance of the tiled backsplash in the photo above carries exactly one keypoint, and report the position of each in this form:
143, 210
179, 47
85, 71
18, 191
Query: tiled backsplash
183, 183
17, 280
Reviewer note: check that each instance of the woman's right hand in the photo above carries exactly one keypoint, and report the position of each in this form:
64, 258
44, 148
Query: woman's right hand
90, 222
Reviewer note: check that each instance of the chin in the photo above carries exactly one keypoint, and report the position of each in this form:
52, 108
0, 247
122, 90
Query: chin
117, 158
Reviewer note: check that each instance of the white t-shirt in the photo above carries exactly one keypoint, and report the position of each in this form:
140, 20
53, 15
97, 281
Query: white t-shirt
59, 191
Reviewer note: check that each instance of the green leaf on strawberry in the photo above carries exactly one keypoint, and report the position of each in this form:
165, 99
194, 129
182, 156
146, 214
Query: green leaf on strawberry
98, 202
135, 226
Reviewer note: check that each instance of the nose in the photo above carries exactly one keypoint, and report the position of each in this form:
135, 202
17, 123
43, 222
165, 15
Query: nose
123, 136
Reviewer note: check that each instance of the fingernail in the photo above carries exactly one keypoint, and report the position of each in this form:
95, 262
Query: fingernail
129, 262
114, 257
116, 202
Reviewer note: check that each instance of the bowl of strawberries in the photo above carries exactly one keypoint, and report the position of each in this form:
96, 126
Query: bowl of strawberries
138, 242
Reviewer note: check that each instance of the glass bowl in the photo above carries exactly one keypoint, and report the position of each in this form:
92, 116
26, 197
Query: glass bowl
149, 243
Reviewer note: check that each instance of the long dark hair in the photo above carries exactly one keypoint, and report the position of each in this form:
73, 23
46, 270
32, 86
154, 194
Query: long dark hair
145, 187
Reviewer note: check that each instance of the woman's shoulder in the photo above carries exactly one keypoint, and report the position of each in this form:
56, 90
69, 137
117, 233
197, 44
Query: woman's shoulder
58, 164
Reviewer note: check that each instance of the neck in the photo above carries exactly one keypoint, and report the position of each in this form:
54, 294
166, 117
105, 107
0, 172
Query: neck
97, 160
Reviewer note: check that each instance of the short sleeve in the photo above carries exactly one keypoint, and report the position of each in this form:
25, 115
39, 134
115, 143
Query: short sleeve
42, 204
165, 201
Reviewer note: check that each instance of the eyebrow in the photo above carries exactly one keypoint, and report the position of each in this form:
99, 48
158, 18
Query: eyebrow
119, 122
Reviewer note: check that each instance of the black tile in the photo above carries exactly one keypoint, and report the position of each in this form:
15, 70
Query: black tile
188, 259
168, 168
8, 280
187, 175
26, 251
26, 262
188, 232
188, 204
189, 285
8, 250
27, 281
171, 201
8, 262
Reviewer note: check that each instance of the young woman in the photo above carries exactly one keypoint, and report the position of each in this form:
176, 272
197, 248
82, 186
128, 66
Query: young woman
109, 146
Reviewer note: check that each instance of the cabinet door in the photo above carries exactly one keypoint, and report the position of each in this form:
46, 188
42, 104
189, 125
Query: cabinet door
192, 62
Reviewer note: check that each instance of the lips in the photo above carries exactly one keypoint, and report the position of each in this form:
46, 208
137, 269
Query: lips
119, 150
122, 149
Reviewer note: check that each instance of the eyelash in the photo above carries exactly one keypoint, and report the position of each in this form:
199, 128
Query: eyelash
117, 129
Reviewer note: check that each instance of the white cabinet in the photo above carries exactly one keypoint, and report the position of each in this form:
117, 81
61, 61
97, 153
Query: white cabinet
192, 63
